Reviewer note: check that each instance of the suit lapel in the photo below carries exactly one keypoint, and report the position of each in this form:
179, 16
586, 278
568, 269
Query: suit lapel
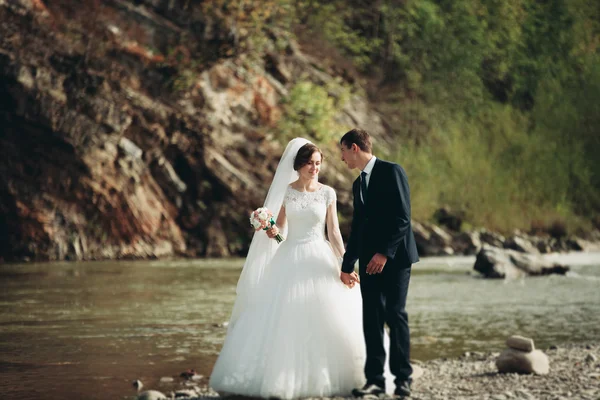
356, 191
372, 180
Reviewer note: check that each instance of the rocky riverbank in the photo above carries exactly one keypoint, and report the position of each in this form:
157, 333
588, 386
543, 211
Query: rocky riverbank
443, 238
574, 374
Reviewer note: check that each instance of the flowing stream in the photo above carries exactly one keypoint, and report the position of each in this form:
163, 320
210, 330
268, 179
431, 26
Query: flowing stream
87, 330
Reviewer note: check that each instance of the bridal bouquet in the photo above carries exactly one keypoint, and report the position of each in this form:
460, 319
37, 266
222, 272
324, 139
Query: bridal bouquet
262, 218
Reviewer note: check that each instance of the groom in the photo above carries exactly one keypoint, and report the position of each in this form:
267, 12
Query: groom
382, 241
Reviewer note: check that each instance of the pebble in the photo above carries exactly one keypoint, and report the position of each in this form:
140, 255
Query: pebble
523, 394
186, 393
151, 395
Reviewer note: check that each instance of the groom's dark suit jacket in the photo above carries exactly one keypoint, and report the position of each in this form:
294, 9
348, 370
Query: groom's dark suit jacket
382, 225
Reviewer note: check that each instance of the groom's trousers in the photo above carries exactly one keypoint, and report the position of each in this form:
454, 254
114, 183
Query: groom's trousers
384, 301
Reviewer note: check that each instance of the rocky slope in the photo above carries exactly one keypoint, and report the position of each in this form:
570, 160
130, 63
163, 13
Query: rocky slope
111, 150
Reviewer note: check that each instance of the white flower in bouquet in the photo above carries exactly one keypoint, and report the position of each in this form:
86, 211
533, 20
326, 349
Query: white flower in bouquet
263, 214
255, 223
262, 218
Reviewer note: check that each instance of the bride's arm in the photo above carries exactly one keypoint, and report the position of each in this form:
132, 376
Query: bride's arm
281, 219
333, 230
279, 226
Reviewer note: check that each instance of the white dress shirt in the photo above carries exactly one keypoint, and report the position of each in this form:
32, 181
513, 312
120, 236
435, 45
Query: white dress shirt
368, 169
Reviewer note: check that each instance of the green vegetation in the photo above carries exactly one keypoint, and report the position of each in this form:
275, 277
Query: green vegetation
311, 109
495, 103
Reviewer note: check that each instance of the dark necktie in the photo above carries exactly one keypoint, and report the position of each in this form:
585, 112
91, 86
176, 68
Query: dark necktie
363, 186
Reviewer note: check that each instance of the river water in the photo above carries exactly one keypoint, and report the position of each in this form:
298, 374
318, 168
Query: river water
87, 330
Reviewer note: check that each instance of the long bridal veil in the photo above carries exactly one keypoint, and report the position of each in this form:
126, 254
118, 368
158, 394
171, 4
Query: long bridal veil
262, 248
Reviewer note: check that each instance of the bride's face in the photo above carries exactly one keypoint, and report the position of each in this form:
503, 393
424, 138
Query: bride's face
311, 170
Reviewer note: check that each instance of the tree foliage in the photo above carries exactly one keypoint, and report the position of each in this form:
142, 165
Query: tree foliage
495, 103
505, 94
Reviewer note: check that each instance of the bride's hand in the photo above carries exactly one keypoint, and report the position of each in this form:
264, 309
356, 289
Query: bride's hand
350, 279
272, 231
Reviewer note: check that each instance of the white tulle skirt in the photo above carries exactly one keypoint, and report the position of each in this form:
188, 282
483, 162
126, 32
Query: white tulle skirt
300, 335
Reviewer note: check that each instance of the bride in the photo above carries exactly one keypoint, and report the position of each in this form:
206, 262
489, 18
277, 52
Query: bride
295, 329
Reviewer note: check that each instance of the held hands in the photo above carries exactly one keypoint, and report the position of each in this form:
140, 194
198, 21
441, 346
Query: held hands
376, 264
350, 279
272, 231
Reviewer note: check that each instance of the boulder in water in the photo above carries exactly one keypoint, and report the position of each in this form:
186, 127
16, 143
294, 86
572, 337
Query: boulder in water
492, 262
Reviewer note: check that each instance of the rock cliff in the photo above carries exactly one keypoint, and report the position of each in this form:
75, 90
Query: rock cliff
111, 149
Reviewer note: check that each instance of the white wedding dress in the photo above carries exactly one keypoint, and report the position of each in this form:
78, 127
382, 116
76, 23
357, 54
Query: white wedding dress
300, 333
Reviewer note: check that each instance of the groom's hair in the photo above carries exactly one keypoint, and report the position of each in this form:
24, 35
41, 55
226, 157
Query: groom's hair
360, 137
304, 154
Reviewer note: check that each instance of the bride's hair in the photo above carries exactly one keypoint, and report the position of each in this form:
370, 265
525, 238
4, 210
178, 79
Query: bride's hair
304, 154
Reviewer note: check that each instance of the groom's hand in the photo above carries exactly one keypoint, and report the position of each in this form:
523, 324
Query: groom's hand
350, 279
376, 264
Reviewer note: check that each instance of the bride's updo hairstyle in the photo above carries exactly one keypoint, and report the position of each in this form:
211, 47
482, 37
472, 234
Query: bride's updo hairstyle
304, 154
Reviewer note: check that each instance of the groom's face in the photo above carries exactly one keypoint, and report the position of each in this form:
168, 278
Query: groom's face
349, 155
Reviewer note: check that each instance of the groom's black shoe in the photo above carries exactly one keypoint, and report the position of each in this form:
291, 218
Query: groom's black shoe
368, 389
403, 389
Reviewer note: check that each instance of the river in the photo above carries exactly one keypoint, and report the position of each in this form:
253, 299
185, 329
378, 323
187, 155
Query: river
88, 329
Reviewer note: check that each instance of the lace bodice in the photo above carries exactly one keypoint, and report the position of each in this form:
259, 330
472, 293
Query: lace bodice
306, 212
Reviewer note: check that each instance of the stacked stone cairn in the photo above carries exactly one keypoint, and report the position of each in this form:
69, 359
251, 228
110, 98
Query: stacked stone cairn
522, 357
